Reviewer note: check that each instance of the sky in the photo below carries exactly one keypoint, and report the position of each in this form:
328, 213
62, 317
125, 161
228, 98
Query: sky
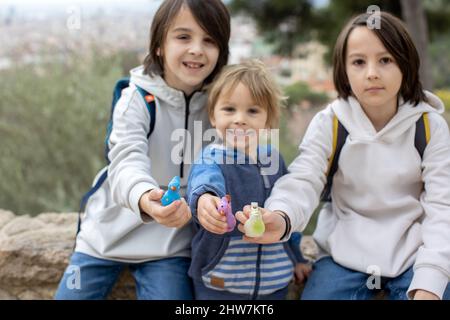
97, 2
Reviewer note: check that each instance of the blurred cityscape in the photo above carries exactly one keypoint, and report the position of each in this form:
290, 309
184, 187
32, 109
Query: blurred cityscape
33, 34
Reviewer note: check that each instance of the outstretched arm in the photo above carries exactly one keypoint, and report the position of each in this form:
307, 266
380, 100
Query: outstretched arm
206, 185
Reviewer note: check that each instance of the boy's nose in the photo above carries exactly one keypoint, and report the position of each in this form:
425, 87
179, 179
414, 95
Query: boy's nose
196, 48
372, 71
240, 119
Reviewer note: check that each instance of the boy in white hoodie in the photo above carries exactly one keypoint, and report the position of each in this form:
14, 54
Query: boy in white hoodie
125, 224
388, 223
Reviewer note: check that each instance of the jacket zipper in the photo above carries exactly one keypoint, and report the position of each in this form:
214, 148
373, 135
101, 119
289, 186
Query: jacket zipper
264, 176
258, 273
186, 123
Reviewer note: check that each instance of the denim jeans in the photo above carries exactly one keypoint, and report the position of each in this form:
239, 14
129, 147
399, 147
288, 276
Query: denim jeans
90, 278
331, 281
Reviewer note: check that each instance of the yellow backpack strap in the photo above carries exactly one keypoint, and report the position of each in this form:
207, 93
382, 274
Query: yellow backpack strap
422, 135
335, 136
426, 122
339, 136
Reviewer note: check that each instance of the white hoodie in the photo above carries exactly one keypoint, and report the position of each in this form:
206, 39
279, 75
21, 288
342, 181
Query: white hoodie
389, 208
112, 227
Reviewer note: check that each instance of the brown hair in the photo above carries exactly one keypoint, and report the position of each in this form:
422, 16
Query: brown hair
212, 16
398, 42
255, 76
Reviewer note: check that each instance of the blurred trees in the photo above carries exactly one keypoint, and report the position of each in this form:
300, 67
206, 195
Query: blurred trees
288, 22
53, 121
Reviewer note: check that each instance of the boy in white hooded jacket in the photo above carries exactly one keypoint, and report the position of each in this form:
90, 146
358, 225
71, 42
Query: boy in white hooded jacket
125, 224
388, 224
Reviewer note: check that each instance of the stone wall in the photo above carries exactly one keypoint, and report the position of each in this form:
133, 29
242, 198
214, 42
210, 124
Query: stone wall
34, 252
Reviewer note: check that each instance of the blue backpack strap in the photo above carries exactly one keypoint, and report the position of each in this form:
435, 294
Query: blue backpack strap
151, 107
339, 136
120, 85
422, 135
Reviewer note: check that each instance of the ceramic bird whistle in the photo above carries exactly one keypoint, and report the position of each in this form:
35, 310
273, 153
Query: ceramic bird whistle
173, 192
254, 226
225, 209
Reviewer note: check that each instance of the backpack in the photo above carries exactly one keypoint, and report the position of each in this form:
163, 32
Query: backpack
149, 99
421, 139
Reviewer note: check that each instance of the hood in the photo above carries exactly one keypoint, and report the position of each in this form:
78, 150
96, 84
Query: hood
159, 88
353, 118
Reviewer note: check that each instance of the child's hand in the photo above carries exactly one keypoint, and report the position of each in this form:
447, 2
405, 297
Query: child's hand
301, 272
275, 225
175, 215
425, 295
208, 216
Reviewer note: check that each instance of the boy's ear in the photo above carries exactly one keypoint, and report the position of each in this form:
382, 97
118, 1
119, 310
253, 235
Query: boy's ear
213, 121
158, 52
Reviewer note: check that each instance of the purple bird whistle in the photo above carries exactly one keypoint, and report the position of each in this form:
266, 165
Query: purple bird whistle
225, 209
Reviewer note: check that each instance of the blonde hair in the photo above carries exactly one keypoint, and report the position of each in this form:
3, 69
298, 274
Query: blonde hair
255, 76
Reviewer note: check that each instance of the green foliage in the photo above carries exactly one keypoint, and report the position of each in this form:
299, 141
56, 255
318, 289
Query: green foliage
284, 23
440, 61
287, 22
287, 149
445, 97
300, 91
52, 123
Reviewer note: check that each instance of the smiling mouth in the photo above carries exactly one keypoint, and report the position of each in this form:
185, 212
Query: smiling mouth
193, 65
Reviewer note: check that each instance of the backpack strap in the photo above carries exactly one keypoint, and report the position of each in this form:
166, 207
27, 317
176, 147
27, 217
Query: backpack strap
421, 139
151, 107
339, 136
422, 135
149, 100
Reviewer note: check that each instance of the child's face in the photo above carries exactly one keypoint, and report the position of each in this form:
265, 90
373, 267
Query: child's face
374, 76
238, 119
189, 53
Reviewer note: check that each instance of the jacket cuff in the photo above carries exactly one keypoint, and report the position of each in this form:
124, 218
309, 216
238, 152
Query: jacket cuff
197, 193
429, 279
135, 195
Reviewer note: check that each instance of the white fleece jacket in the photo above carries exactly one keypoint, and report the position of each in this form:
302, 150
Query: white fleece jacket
389, 208
112, 227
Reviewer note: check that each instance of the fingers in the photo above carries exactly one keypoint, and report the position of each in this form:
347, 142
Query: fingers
242, 216
155, 194
299, 277
212, 220
209, 217
177, 214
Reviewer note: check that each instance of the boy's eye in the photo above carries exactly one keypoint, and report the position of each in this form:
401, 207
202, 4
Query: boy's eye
358, 62
253, 110
386, 60
228, 109
210, 40
183, 37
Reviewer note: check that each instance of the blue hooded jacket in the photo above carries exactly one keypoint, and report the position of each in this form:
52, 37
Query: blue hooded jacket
226, 262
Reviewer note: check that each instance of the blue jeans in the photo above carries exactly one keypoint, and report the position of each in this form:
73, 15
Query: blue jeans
90, 278
331, 281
